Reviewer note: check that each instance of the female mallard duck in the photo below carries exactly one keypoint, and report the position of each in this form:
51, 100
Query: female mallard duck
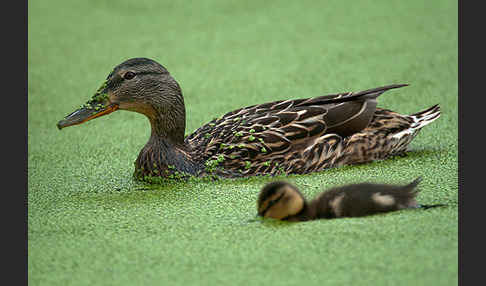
288, 136
283, 201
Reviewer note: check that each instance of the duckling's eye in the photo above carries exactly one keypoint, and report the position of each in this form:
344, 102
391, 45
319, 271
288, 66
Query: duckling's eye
272, 202
129, 75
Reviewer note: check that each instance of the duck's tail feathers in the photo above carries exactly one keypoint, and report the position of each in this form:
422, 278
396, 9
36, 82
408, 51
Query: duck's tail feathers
419, 120
422, 118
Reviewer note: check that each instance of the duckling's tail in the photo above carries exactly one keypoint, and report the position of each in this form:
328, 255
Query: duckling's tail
414, 183
411, 188
429, 206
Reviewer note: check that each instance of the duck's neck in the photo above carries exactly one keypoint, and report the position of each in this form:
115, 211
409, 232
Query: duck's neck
165, 155
168, 125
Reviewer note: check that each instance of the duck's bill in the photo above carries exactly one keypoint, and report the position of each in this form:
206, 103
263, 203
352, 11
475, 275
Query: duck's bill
87, 112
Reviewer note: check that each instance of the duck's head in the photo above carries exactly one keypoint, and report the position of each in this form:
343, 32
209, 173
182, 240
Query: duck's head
279, 200
140, 85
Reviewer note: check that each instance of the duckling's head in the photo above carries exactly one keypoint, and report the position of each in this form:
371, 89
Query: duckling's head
140, 85
279, 200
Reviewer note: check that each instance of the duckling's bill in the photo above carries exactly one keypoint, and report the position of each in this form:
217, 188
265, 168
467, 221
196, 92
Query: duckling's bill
256, 218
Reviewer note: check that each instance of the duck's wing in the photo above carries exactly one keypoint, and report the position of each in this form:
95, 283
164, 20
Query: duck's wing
257, 133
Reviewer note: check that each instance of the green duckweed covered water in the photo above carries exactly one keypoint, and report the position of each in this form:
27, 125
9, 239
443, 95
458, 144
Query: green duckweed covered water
89, 223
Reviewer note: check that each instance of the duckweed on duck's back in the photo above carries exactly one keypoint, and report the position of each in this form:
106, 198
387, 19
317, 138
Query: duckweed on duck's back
291, 136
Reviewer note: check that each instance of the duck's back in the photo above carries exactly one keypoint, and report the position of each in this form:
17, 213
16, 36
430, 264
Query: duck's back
272, 137
303, 135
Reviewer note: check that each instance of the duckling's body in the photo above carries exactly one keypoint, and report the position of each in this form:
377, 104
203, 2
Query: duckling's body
291, 136
281, 200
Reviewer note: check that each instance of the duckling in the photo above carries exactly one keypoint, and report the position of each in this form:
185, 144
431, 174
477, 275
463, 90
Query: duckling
288, 136
282, 200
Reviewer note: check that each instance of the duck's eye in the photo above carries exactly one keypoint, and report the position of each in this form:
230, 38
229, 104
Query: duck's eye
129, 75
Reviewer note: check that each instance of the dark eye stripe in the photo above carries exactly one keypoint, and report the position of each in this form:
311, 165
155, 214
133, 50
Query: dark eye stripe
149, 72
114, 79
271, 203
137, 73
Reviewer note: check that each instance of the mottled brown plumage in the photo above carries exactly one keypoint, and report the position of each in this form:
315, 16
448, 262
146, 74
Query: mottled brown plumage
283, 201
288, 136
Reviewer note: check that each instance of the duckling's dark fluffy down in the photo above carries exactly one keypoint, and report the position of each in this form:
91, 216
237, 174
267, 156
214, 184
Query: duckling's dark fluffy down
282, 200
